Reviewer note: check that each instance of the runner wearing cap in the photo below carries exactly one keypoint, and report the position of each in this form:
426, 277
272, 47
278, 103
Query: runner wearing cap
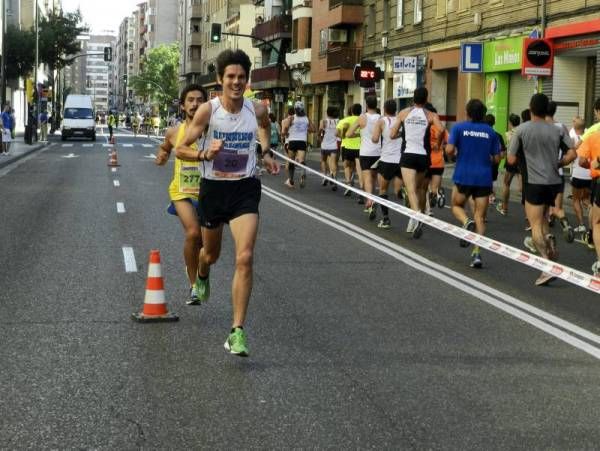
230, 191
296, 129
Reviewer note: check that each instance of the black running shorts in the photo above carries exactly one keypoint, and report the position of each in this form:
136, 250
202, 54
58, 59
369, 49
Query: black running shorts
581, 183
221, 201
541, 194
511, 168
434, 171
419, 163
297, 145
474, 191
389, 170
367, 162
350, 154
595, 197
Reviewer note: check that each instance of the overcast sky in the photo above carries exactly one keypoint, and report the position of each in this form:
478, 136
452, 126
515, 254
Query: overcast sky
102, 14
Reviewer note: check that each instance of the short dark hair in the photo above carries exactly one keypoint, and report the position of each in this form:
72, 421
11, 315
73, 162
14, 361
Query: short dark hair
552, 106
539, 104
190, 88
490, 119
291, 111
597, 104
371, 102
233, 57
420, 95
390, 107
271, 117
356, 109
514, 120
476, 110
526, 115
332, 111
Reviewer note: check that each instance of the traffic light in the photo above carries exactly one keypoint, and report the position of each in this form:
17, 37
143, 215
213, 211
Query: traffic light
125, 79
215, 32
367, 73
107, 54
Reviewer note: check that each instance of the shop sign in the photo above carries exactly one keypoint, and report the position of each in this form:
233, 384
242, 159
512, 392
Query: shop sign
471, 57
404, 85
405, 64
538, 56
503, 54
577, 44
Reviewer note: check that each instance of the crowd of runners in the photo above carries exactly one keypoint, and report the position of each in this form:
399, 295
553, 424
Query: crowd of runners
220, 143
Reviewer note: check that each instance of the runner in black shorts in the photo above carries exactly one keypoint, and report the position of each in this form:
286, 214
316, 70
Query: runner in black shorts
511, 170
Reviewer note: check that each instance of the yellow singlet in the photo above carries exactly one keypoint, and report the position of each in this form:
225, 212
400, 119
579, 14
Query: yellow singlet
186, 174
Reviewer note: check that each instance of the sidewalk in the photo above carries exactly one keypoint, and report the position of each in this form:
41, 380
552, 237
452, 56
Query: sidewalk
20, 149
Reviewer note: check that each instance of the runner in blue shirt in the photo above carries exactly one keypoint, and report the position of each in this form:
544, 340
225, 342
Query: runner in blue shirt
477, 148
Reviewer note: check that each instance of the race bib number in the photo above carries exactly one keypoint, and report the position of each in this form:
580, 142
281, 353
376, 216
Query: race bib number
230, 164
189, 179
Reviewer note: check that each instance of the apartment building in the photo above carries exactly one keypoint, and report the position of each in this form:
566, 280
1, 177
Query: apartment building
430, 33
299, 57
123, 61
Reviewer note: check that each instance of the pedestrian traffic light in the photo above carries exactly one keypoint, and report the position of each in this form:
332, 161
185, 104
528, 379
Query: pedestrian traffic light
215, 32
367, 73
107, 54
125, 78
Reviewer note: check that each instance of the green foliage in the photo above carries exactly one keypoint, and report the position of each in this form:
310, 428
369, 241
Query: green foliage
58, 38
160, 69
20, 52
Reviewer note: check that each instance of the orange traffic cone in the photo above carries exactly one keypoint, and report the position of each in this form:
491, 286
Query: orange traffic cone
155, 307
112, 161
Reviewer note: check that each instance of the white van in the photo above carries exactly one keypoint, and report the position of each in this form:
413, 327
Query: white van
78, 117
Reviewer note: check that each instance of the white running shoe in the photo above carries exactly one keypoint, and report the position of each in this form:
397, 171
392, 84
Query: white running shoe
530, 245
412, 225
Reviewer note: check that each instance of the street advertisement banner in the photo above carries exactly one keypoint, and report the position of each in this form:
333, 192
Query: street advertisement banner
496, 98
538, 57
503, 54
405, 85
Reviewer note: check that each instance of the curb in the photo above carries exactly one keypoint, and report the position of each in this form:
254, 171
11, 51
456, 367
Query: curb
22, 155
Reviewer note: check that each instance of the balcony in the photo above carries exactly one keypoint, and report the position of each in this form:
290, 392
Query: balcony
269, 77
207, 79
301, 4
192, 67
343, 58
195, 39
345, 12
278, 27
298, 57
195, 12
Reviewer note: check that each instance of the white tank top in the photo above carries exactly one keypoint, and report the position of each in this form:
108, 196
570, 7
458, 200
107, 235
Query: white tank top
298, 131
237, 159
391, 148
577, 172
415, 130
329, 139
367, 147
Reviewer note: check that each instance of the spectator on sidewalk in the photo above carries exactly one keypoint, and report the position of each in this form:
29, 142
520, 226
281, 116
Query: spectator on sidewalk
7, 126
44, 126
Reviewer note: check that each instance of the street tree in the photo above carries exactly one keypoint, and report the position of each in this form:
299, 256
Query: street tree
20, 52
158, 77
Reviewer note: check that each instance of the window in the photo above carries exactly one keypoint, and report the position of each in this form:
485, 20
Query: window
418, 11
371, 21
386, 16
323, 37
441, 8
295, 34
400, 13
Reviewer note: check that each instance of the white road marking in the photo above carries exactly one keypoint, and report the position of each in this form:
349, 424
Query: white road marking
113, 169
67, 145
71, 155
106, 145
147, 145
120, 207
150, 156
87, 145
129, 257
127, 145
116, 183
513, 306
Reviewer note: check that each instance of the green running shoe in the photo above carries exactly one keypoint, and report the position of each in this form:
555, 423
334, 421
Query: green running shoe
202, 287
236, 343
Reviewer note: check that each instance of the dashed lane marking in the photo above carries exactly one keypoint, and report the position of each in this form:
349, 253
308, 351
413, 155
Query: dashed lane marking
113, 169
129, 258
87, 145
127, 145
120, 207
147, 145
67, 145
116, 183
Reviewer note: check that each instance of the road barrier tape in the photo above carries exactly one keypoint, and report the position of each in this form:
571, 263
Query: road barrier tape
558, 270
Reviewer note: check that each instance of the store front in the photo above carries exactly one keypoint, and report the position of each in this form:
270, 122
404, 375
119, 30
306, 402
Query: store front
574, 80
506, 90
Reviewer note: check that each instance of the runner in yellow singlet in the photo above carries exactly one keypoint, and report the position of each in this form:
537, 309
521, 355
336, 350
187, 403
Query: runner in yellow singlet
184, 188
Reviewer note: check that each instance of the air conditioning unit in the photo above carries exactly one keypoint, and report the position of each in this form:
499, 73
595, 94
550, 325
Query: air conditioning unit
337, 35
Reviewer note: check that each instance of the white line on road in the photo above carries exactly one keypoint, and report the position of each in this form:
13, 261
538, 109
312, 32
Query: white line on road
120, 207
67, 145
147, 145
490, 295
129, 257
106, 145
127, 145
87, 145
113, 169
116, 183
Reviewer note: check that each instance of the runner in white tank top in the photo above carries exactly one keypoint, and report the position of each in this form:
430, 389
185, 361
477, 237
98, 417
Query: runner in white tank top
581, 180
329, 146
296, 128
415, 122
369, 151
388, 167
229, 192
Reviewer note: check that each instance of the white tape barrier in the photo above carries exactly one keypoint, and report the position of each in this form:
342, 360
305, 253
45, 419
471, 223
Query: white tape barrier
567, 273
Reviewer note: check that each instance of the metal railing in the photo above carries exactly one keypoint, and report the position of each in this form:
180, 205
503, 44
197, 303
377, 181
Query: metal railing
343, 57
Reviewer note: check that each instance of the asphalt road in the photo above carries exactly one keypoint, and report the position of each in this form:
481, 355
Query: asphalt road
359, 338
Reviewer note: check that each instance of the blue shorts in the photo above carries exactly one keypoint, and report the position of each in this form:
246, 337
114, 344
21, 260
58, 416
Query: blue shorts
171, 207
